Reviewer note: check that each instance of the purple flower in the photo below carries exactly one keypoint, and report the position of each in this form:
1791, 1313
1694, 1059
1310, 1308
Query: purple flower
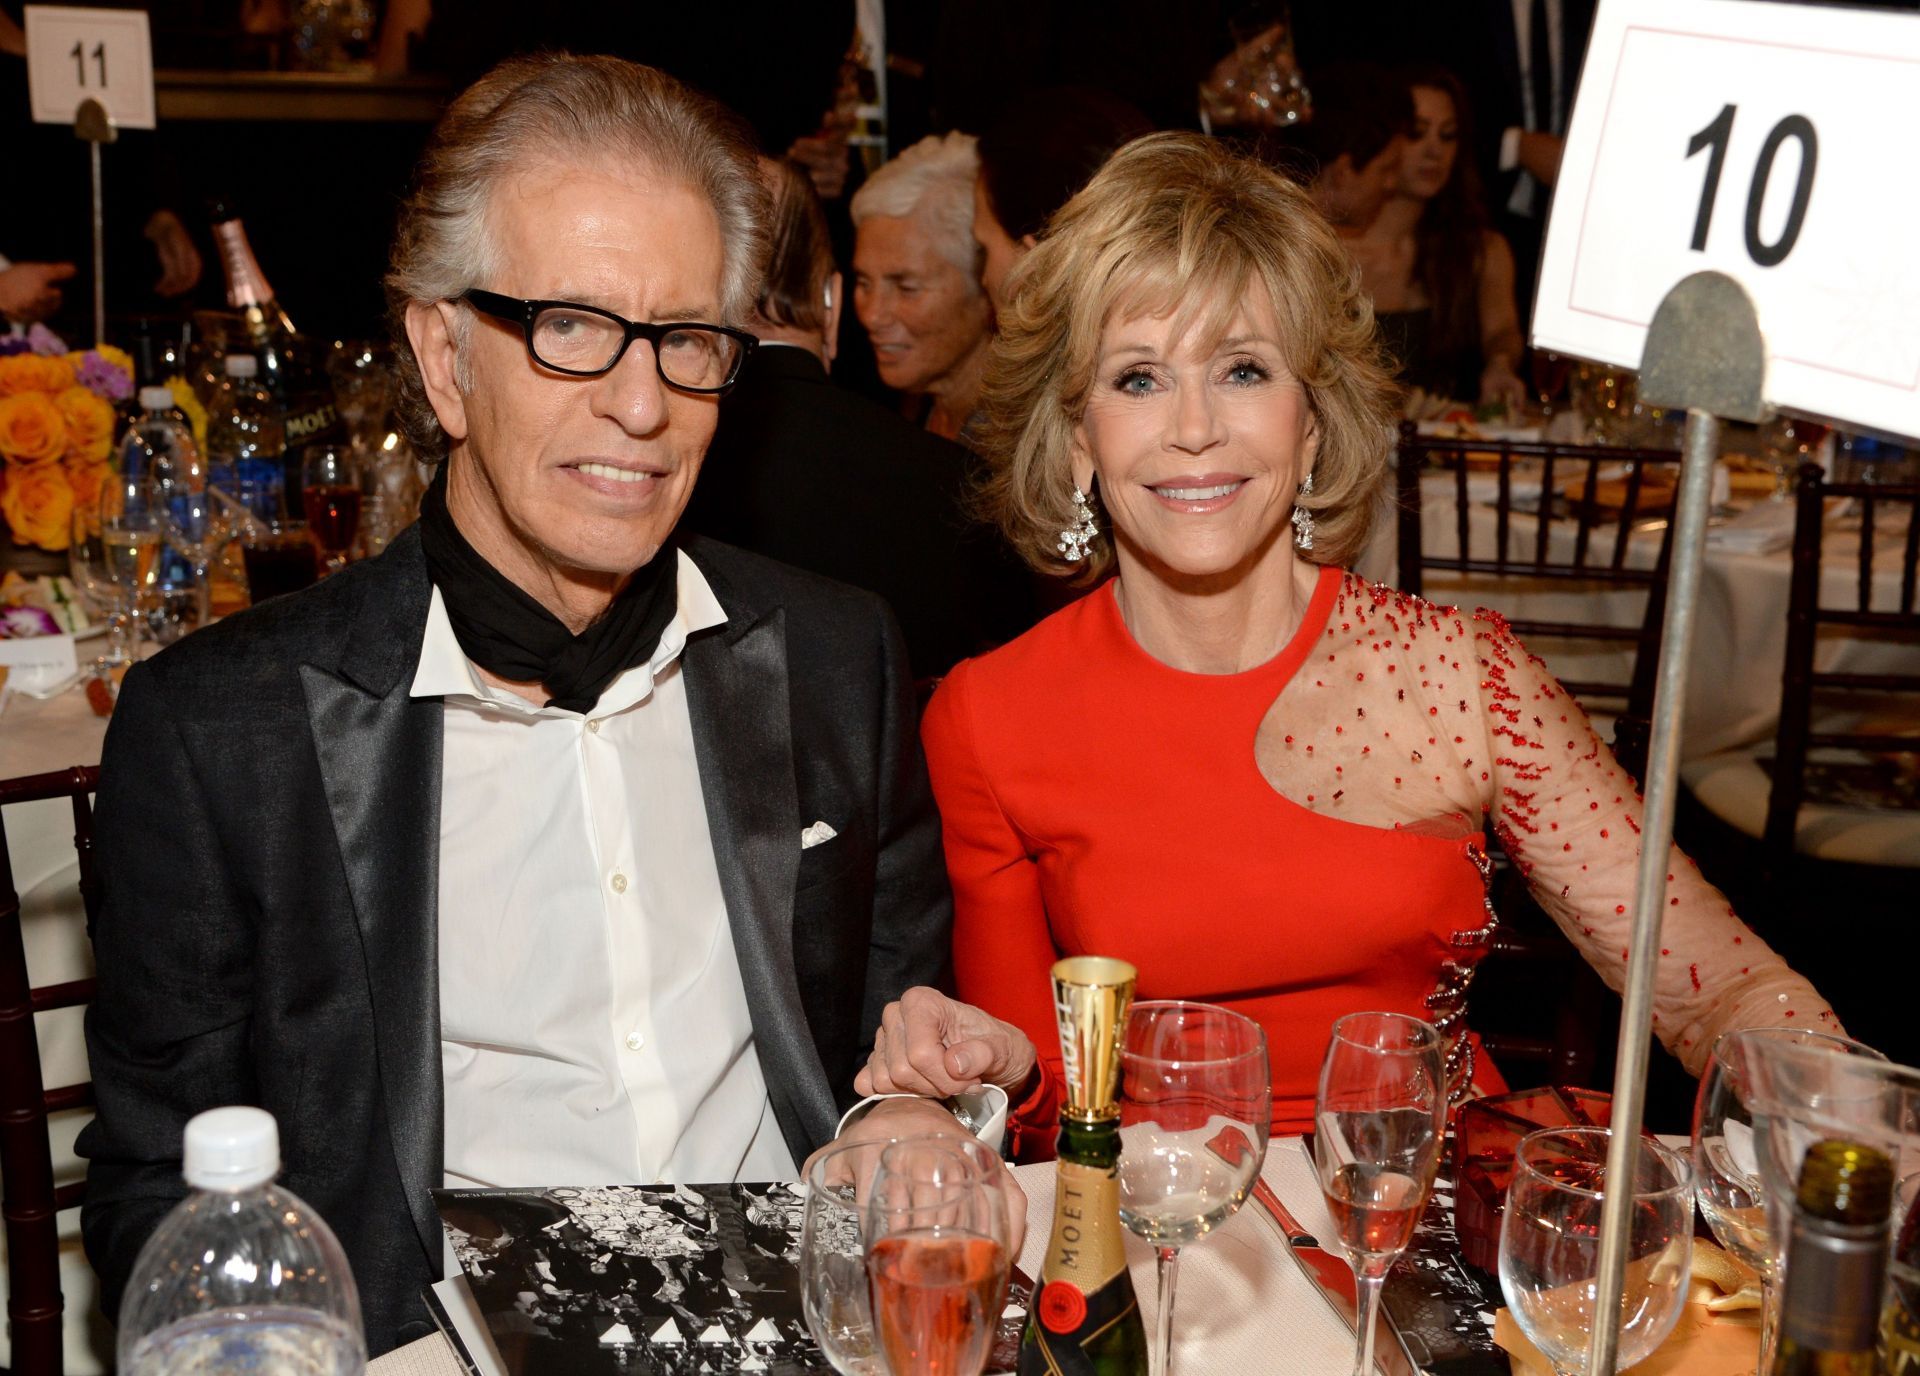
103, 377
44, 341
11, 344
19, 623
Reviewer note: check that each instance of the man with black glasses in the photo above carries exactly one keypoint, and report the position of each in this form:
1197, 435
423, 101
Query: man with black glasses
547, 847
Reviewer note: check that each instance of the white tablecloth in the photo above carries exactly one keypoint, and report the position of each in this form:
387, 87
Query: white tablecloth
1740, 626
1242, 1306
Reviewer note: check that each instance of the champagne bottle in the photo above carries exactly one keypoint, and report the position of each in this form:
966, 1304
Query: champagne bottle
289, 370
1084, 1319
1836, 1262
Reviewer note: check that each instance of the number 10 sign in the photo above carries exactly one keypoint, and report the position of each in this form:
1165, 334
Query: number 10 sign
1772, 143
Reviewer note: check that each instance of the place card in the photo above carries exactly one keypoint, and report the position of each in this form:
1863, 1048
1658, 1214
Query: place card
37, 662
1761, 141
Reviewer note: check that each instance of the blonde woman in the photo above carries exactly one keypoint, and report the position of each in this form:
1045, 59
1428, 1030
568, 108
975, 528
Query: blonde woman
1266, 783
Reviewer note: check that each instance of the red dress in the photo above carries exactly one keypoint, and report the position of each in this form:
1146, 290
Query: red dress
1258, 840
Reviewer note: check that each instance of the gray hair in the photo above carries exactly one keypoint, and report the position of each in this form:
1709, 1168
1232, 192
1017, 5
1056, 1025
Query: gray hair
931, 182
532, 110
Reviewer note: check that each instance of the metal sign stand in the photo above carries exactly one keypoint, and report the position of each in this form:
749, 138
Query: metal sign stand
1704, 353
92, 123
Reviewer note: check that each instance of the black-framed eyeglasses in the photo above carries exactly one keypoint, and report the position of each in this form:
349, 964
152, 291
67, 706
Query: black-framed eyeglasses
585, 341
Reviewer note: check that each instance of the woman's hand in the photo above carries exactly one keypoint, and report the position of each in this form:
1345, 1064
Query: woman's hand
1499, 383
31, 291
931, 1044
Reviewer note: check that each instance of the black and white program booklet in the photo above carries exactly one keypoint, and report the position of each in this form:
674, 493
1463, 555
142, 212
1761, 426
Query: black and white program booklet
633, 1280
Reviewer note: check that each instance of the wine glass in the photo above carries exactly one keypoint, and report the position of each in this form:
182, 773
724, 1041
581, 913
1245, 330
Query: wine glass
330, 497
937, 1258
1550, 1245
113, 555
833, 1258
1379, 1120
1726, 1167
191, 518
1787, 442
1196, 1098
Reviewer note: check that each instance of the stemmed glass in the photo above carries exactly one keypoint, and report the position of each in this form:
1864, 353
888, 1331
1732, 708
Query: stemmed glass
1788, 442
1379, 1120
1726, 1164
330, 499
938, 1255
191, 518
113, 555
833, 1257
1196, 1098
1550, 1245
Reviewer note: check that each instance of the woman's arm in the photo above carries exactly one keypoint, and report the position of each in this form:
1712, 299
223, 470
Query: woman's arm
1003, 949
1570, 818
1500, 335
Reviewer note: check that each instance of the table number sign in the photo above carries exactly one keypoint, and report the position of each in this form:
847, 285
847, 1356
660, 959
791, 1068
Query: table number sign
1766, 142
78, 54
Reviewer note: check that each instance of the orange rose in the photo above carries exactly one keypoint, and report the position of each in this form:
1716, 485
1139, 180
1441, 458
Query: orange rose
84, 478
33, 373
89, 420
38, 504
32, 430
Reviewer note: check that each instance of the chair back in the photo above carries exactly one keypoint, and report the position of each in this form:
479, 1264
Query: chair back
1887, 514
29, 1199
1575, 527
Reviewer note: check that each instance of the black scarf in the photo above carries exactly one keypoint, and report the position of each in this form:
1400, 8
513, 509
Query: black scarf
506, 632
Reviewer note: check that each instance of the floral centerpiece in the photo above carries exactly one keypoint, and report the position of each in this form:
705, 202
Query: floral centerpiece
57, 425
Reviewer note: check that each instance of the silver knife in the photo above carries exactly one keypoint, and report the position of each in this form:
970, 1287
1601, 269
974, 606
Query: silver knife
1333, 1278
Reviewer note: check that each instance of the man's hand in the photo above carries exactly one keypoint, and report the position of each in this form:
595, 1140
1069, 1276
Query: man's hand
1540, 155
28, 291
824, 156
931, 1044
898, 1119
179, 259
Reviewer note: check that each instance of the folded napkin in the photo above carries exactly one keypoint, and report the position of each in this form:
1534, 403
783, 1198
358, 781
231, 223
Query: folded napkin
1761, 529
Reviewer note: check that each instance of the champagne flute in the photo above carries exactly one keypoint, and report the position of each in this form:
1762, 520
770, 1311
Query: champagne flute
113, 555
1726, 1167
833, 1259
1379, 1120
937, 1255
1550, 1245
1196, 1103
330, 497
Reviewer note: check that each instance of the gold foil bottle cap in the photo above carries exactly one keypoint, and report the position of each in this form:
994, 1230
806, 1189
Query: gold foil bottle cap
1091, 995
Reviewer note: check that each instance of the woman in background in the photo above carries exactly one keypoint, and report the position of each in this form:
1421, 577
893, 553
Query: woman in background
1440, 279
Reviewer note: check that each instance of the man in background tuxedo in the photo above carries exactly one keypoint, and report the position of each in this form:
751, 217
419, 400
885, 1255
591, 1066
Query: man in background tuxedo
812, 475
546, 847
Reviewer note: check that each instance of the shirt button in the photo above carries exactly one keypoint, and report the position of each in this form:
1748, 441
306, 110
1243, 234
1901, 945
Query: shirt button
635, 1041
619, 882
594, 726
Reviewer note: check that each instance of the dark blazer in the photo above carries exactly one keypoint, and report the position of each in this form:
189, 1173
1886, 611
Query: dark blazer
268, 823
804, 471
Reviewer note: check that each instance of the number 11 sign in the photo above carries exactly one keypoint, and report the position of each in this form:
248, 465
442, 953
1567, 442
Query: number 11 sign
76, 54
1772, 143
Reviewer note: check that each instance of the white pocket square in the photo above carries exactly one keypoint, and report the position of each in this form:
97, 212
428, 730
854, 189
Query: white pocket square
815, 834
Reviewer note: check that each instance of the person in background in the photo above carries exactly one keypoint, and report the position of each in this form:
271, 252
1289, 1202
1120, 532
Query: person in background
549, 845
1441, 281
916, 280
808, 473
1041, 150
1235, 764
1349, 153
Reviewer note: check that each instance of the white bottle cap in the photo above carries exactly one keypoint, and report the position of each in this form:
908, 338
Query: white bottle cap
232, 1149
242, 365
156, 399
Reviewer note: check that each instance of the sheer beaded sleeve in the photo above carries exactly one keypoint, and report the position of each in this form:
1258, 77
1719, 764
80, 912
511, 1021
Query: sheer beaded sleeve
1003, 951
1569, 817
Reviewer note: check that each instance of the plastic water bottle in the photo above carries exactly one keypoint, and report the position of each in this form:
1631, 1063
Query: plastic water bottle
160, 442
245, 438
242, 1279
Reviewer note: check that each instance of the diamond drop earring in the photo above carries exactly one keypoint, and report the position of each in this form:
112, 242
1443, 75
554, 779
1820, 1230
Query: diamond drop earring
1075, 538
1302, 518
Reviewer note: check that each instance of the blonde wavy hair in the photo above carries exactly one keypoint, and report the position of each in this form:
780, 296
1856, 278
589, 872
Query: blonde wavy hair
1178, 223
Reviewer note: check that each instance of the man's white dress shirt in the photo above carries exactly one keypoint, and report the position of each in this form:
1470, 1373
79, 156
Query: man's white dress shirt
593, 1025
